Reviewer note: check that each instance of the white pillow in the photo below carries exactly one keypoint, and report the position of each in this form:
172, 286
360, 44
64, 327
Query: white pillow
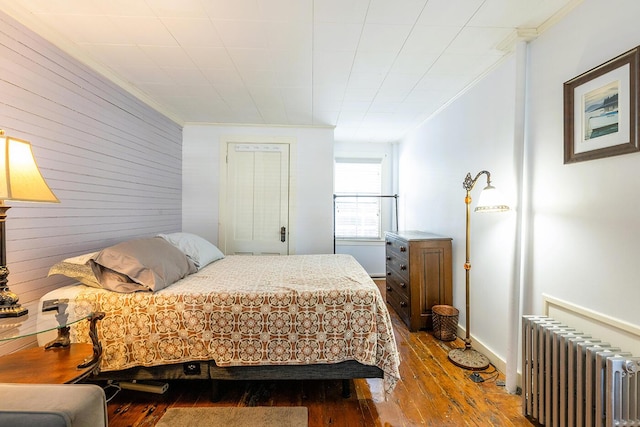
198, 249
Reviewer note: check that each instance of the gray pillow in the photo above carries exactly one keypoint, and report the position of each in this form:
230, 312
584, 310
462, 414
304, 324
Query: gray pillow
147, 264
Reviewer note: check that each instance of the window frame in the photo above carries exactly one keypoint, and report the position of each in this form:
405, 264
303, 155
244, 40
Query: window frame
385, 209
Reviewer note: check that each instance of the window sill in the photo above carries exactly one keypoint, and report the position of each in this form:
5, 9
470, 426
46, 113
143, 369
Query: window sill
359, 242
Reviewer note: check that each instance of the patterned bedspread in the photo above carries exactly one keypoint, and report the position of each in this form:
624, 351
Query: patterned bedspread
244, 310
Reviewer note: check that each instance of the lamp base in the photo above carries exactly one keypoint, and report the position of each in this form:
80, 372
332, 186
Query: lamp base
9, 306
469, 358
15, 310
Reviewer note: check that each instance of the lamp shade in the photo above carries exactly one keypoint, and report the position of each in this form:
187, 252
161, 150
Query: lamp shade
20, 178
491, 200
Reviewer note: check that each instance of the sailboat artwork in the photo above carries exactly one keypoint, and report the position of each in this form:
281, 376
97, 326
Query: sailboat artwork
601, 111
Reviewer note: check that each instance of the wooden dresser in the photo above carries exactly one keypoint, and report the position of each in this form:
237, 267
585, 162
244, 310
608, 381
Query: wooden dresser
418, 275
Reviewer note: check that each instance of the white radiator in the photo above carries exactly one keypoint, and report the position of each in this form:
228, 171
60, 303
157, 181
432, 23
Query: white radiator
570, 379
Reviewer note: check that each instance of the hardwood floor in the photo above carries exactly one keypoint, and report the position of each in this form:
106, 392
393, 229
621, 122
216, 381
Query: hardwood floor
433, 392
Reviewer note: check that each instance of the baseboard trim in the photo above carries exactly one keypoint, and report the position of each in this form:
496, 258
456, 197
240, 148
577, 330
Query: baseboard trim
499, 363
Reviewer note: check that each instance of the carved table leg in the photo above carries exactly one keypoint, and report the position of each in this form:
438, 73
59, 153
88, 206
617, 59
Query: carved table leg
62, 340
93, 334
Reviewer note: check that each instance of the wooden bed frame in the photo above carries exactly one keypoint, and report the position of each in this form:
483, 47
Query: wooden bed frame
205, 370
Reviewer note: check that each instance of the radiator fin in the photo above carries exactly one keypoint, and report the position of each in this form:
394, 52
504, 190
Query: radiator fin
572, 379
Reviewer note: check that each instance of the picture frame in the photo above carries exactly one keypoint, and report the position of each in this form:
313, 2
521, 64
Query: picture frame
601, 111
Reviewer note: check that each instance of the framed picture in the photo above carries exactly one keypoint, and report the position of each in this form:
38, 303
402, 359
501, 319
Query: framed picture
600, 110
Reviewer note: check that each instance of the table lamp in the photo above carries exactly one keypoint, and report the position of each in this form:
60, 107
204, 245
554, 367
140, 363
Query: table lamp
20, 180
489, 201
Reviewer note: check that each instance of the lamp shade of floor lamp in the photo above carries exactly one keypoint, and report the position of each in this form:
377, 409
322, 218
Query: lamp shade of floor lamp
20, 180
489, 201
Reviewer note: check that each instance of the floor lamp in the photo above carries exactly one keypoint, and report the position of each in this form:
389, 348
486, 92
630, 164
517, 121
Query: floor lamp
488, 201
20, 180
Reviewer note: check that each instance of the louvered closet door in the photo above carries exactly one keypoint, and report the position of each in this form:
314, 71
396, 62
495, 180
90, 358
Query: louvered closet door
257, 199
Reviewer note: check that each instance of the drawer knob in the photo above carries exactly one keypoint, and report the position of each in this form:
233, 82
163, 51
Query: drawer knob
388, 273
403, 285
403, 304
403, 266
389, 288
388, 242
403, 249
388, 258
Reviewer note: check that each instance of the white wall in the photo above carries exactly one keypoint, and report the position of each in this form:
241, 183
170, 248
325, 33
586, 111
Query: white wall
312, 181
474, 133
114, 163
582, 230
585, 215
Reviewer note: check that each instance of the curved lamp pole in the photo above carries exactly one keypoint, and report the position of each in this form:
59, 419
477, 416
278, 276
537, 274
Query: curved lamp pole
488, 201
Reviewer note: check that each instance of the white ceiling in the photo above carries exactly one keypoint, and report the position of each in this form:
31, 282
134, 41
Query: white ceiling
374, 69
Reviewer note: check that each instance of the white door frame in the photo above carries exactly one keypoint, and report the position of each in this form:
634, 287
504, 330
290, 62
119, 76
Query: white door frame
225, 140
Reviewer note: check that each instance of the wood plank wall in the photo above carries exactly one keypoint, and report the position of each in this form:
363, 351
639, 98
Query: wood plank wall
114, 162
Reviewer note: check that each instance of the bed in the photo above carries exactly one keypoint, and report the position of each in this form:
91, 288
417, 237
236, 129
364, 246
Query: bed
237, 317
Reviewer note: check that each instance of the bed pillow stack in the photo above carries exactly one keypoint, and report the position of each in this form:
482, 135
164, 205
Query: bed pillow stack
146, 264
140, 264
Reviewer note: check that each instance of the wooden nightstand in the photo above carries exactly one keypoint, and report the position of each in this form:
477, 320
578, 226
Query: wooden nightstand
60, 364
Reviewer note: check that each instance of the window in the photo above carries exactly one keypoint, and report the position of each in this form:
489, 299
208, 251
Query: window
358, 217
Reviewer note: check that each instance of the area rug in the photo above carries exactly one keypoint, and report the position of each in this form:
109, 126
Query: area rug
254, 416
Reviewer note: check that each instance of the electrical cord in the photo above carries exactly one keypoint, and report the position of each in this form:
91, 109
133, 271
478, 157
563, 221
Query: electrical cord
477, 378
111, 385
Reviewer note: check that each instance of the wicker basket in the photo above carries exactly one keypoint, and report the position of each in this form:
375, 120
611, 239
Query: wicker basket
445, 322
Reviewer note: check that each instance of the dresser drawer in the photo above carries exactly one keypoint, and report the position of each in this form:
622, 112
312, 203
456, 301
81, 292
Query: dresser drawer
398, 285
398, 265
397, 247
399, 304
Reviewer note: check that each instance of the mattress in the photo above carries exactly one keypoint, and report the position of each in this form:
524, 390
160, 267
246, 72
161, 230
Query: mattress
246, 311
